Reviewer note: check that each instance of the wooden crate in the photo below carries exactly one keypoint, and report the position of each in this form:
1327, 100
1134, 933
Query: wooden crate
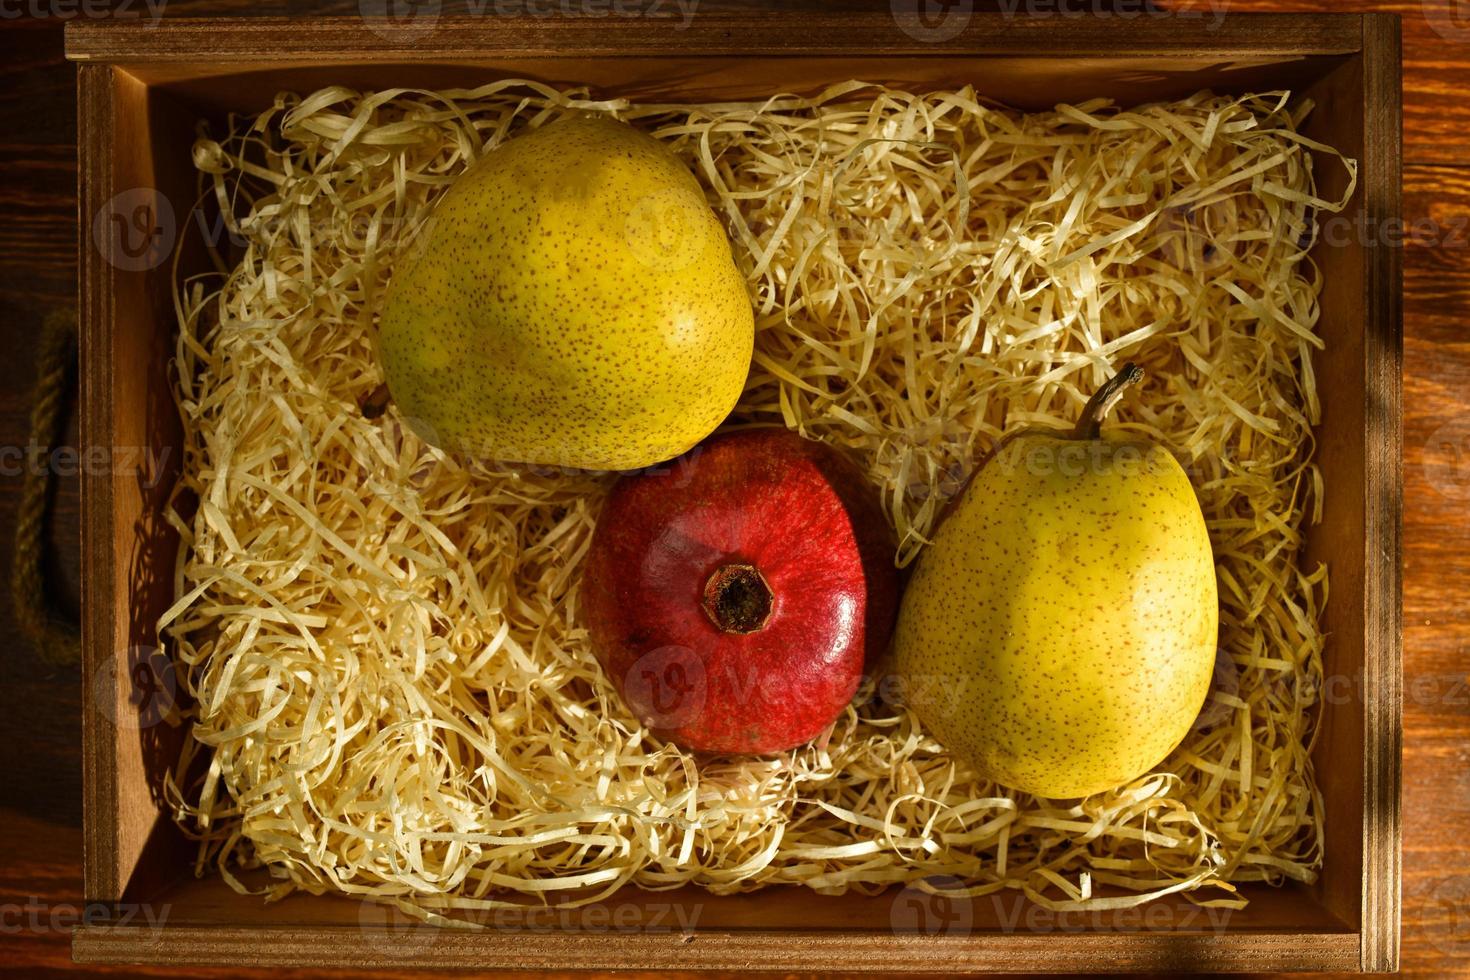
141, 90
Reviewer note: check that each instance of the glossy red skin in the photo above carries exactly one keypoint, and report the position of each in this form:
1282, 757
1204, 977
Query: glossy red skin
801, 513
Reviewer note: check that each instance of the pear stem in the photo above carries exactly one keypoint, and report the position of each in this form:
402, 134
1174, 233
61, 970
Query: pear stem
1089, 425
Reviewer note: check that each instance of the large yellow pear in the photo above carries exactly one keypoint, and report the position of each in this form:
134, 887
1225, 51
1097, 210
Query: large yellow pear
573, 302
1059, 632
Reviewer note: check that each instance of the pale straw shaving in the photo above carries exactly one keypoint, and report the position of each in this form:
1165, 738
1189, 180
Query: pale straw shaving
395, 698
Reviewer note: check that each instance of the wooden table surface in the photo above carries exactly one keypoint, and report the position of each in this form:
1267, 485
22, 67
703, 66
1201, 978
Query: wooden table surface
40, 793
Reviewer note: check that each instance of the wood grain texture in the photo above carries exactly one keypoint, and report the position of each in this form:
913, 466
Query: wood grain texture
714, 33
1436, 39
133, 122
1382, 687
1436, 59
41, 802
99, 764
1436, 777
767, 952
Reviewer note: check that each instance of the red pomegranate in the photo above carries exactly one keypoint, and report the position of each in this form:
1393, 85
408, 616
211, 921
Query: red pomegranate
735, 597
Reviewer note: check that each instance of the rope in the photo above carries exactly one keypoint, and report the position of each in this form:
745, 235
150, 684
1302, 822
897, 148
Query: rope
59, 641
